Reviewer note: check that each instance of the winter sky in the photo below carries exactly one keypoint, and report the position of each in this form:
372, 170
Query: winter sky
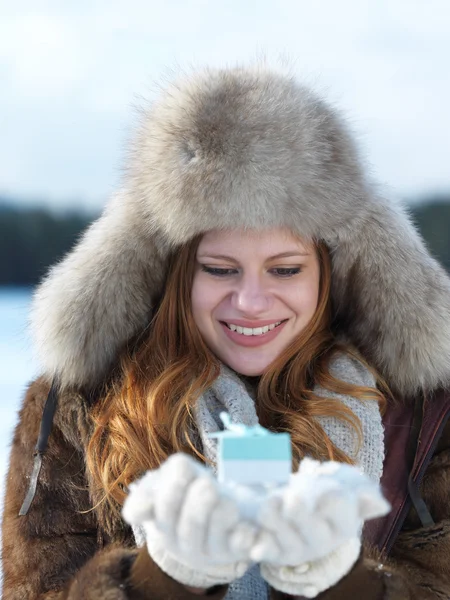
70, 73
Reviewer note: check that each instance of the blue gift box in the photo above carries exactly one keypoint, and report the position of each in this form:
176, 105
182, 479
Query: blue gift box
252, 455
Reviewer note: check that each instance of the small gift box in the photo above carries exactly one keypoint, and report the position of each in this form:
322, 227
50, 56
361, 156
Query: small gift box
252, 455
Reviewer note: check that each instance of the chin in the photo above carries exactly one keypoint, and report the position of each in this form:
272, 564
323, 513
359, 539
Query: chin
247, 371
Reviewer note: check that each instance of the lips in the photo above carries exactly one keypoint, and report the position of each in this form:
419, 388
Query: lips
252, 339
260, 330
253, 324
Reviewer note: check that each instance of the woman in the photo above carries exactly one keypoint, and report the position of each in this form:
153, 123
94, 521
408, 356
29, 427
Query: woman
244, 210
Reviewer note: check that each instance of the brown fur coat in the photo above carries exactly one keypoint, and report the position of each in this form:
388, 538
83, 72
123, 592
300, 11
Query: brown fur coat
58, 551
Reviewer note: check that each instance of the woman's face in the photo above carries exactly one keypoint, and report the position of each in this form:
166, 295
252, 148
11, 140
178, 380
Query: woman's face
253, 293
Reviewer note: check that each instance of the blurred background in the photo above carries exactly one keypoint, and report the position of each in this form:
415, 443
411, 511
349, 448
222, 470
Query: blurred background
71, 74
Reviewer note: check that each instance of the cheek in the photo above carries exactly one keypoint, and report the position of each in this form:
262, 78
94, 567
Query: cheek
312, 288
307, 298
204, 298
313, 296
196, 300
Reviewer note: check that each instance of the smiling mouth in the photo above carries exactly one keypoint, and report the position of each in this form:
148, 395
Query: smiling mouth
253, 331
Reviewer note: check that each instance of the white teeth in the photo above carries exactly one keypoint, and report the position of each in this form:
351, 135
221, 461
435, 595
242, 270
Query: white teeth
253, 331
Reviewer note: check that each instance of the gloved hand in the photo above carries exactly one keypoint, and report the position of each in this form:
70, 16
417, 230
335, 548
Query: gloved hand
193, 526
323, 506
310, 536
309, 579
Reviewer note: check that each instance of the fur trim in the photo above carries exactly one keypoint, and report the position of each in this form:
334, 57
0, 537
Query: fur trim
253, 147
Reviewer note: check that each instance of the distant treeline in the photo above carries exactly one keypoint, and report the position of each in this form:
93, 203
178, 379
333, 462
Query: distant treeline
32, 239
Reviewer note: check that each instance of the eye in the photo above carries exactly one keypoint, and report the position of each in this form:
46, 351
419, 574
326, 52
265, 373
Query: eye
286, 271
218, 271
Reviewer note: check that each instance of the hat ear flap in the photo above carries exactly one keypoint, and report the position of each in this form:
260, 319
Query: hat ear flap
99, 296
393, 299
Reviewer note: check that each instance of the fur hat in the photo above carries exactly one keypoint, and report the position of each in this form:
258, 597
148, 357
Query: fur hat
249, 148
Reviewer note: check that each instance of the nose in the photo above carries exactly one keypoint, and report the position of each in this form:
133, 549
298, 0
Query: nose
251, 297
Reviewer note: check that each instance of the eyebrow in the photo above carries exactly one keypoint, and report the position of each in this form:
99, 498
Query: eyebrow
276, 256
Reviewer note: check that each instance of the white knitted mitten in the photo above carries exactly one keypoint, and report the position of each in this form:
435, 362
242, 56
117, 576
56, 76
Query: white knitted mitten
322, 507
310, 536
311, 578
193, 527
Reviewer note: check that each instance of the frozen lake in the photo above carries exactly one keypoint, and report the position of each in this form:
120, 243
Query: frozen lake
16, 366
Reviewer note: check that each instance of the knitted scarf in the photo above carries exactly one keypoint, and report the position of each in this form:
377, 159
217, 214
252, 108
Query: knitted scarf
231, 394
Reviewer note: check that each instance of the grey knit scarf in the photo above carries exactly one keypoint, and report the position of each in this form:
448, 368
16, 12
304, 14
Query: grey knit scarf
229, 393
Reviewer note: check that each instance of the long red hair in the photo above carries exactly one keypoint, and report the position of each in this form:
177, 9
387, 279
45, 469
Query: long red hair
147, 412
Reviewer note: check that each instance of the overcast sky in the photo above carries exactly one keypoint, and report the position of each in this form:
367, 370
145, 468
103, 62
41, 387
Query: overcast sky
71, 71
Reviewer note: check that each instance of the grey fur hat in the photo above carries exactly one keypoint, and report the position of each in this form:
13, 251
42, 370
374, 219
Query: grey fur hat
253, 148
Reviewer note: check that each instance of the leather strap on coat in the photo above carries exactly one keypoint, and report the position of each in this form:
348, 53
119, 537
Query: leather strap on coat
44, 433
399, 477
